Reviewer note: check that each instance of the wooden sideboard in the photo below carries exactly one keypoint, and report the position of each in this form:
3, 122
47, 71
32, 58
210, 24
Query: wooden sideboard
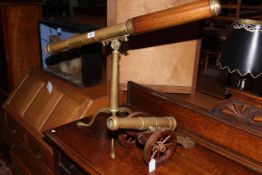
80, 150
19, 48
40, 102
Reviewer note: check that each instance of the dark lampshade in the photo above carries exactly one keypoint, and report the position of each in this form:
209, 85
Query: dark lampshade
242, 52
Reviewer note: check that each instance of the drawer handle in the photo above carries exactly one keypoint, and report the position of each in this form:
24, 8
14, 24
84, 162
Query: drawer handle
38, 155
13, 131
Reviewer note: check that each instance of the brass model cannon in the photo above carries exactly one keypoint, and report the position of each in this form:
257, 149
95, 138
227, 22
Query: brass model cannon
156, 134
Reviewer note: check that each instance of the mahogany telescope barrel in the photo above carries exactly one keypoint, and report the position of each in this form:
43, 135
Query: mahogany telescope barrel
175, 16
140, 123
142, 24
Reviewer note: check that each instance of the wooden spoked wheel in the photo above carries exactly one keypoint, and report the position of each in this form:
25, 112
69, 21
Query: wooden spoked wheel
161, 146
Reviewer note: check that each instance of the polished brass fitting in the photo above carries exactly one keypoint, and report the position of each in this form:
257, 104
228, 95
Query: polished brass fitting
215, 7
141, 123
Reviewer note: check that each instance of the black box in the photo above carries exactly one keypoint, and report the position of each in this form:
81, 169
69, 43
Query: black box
80, 66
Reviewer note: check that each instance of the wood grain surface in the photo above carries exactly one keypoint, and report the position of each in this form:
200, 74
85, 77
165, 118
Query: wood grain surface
90, 149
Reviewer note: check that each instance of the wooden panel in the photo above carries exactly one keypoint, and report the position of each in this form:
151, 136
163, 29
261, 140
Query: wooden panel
40, 153
92, 106
166, 60
24, 96
16, 130
25, 155
65, 165
206, 129
174, 75
31, 131
4, 86
42, 106
31, 100
90, 148
30, 109
21, 41
78, 94
67, 110
18, 135
17, 166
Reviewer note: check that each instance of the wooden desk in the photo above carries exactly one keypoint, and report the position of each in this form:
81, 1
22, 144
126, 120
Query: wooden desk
32, 109
201, 100
80, 150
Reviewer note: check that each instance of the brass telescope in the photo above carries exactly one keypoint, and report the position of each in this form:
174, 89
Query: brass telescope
141, 123
142, 24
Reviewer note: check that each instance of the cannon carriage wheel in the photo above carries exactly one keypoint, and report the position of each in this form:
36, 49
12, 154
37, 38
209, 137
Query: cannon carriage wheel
161, 146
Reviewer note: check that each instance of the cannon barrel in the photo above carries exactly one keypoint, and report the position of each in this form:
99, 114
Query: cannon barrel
140, 123
142, 24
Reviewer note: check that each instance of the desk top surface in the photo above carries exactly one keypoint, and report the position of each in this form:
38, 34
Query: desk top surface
90, 149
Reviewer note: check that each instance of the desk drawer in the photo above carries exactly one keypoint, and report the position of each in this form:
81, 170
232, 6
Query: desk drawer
27, 158
16, 130
40, 153
17, 167
64, 166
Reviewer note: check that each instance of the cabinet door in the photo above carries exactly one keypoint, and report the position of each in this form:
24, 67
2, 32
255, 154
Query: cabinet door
20, 39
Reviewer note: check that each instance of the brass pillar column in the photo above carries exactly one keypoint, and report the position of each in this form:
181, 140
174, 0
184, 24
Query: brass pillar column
115, 45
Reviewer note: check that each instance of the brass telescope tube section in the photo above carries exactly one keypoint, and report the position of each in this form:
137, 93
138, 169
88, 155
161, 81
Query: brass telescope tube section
90, 37
141, 123
146, 23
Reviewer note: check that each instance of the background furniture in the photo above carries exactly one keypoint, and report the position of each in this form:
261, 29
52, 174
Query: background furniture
166, 60
55, 8
234, 9
211, 80
40, 102
19, 48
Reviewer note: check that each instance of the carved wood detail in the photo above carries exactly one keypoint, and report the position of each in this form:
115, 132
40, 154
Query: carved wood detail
239, 110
